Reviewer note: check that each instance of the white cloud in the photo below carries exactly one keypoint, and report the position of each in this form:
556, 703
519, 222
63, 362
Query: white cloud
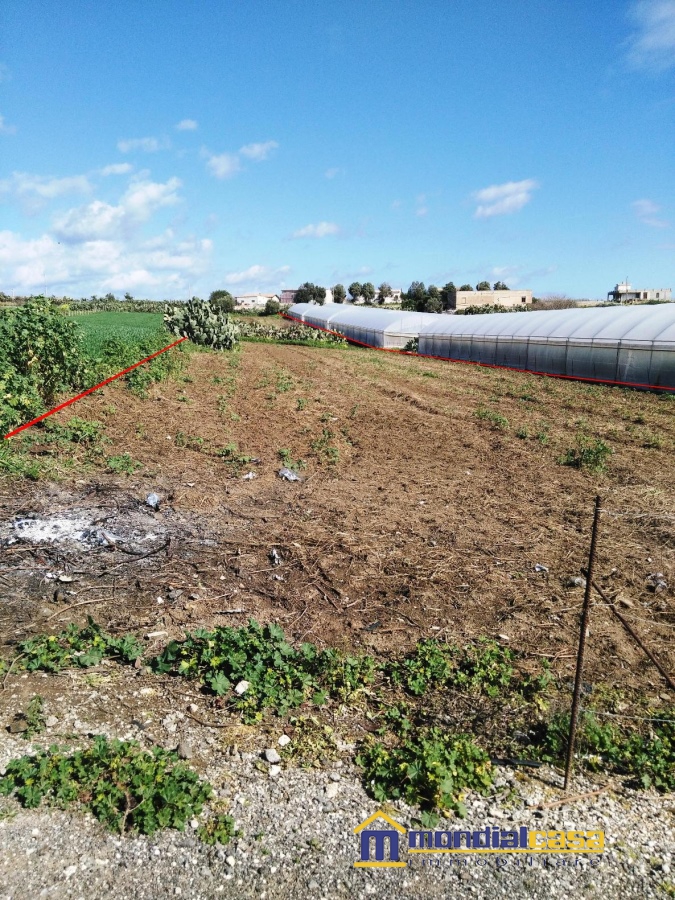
117, 169
333, 173
320, 230
501, 199
146, 144
101, 265
5, 128
99, 220
34, 191
257, 277
647, 212
652, 44
258, 152
223, 165
187, 125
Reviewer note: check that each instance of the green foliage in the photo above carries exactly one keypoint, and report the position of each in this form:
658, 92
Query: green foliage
428, 665
203, 323
231, 456
483, 286
413, 345
313, 744
484, 665
383, 292
368, 291
294, 334
324, 449
123, 464
222, 300
218, 829
280, 677
587, 454
310, 293
34, 718
647, 758
339, 293
287, 459
355, 289
495, 418
75, 646
76, 431
500, 286
430, 768
124, 787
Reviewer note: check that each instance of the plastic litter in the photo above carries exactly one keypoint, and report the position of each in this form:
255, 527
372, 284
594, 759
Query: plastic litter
575, 582
275, 557
289, 474
152, 500
249, 476
657, 582
539, 568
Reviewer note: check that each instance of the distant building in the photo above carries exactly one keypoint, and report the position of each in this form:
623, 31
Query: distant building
491, 298
254, 301
288, 297
626, 293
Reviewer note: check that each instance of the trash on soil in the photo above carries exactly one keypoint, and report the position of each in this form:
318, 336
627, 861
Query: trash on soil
229, 612
539, 568
575, 581
249, 476
278, 577
152, 500
275, 556
289, 474
657, 583
155, 634
242, 687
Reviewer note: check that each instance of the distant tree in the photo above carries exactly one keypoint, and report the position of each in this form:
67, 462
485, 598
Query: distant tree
500, 286
272, 307
483, 286
355, 289
339, 293
222, 300
368, 291
128, 296
311, 293
466, 287
383, 292
433, 302
448, 295
110, 298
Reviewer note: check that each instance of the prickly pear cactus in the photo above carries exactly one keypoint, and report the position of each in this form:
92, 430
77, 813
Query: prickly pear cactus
202, 324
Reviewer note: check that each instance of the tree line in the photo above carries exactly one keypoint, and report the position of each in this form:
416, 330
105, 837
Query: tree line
418, 297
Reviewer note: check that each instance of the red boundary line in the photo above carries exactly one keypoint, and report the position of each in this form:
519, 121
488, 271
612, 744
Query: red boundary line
473, 362
92, 389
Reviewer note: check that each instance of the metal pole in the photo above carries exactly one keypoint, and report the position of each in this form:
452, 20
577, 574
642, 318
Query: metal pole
582, 646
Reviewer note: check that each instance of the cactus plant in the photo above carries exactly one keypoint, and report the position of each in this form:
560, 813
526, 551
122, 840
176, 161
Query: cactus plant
203, 324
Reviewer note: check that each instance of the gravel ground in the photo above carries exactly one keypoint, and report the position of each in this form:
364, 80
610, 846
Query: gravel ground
297, 841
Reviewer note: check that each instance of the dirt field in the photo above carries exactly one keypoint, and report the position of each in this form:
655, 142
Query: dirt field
415, 517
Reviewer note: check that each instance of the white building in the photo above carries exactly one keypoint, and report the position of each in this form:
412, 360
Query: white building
254, 301
626, 293
492, 298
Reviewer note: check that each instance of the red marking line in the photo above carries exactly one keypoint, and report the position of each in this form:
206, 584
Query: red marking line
92, 389
473, 362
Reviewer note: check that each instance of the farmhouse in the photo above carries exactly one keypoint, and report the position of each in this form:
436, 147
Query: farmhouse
253, 301
462, 299
626, 293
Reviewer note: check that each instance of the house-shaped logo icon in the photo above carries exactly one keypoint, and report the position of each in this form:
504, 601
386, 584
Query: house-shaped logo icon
379, 836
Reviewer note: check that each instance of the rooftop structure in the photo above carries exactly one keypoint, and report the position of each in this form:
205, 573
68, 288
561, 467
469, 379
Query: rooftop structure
626, 293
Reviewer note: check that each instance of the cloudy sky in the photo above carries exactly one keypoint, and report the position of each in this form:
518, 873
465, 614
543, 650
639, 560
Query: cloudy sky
170, 148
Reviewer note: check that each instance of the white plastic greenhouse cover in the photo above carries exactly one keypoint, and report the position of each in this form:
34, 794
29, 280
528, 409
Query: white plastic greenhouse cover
628, 345
298, 310
384, 328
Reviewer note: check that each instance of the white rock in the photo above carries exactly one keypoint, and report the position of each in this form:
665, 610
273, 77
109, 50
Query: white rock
332, 790
51, 721
230, 861
70, 871
284, 740
272, 755
274, 771
242, 687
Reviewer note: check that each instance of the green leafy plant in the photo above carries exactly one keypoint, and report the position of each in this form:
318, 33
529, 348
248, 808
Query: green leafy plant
430, 768
218, 829
123, 464
324, 449
123, 786
81, 647
428, 665
203, 323
495, 418
287, 459
587, 454
35, 719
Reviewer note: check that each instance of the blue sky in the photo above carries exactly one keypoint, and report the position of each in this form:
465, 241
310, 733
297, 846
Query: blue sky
171, 148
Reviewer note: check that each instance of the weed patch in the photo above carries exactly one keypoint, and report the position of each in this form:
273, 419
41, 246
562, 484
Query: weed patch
123, 786
78, 647
587, 454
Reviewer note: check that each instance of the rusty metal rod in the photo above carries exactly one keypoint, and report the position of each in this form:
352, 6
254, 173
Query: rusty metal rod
636, 637
582, 646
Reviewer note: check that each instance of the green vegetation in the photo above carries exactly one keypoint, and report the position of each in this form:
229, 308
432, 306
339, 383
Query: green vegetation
75, 646
123, 464
219, 829
324, 450
128, 327
587, 454
287, 460
35, 719
123, 786
431, 768
204, 323
495, 418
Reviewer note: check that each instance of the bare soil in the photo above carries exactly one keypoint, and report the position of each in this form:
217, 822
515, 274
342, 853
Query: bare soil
414, 517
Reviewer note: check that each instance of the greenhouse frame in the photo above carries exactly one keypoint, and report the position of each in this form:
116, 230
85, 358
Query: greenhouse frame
386, 329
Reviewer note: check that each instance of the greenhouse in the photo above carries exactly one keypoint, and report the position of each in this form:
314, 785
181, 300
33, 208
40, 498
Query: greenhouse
625, 345
383, 328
